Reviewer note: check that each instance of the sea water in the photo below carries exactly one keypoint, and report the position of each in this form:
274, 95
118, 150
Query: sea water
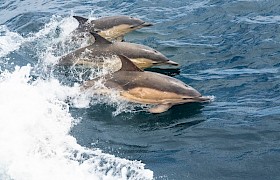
36, 122
49, 129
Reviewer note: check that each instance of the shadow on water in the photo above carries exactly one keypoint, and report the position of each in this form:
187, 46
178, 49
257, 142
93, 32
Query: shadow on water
175, 113
132, 131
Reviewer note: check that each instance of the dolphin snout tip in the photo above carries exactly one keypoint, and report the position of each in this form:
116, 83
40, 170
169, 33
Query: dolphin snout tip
141, 25
146, 24
206, 99
172, 63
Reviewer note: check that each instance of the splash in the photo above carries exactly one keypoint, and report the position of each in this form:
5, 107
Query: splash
35, 120
34, 135
9, 41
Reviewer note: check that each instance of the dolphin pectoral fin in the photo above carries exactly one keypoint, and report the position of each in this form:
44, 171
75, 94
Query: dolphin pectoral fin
160, 108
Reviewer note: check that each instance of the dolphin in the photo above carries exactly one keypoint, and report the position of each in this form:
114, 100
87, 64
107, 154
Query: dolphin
111, 27
136, 85
93, 54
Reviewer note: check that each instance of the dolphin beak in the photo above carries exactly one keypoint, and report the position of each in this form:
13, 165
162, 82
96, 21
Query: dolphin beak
202, 99
172, 63
147, 24
138, 26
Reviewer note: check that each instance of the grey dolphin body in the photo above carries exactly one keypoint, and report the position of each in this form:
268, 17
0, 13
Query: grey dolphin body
112, 27
141, 55
142, 87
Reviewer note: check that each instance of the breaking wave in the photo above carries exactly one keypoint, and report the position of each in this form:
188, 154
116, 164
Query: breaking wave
35, 120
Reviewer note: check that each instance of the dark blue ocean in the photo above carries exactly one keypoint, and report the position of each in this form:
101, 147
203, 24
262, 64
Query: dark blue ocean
228, 49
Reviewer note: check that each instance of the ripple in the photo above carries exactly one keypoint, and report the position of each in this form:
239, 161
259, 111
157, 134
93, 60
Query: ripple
260, 19
229, 49
223, 73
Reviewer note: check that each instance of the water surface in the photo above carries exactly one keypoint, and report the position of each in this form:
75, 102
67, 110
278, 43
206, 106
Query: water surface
227, 49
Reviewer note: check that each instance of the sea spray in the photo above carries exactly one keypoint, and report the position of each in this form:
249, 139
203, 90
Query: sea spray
35, 119
34, 135
9, 41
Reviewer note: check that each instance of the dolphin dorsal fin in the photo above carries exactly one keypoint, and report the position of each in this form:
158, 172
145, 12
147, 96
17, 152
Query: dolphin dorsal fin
80, 19
99, 39
128, 65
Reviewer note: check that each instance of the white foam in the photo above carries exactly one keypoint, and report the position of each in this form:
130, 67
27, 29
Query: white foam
34, 135
56, 43
9, 41
35, 120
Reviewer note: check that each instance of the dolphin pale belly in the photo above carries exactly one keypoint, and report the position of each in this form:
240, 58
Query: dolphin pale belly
92, 55
112, 27
135, 85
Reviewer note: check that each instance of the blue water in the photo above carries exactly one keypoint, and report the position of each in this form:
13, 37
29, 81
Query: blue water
227, 49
